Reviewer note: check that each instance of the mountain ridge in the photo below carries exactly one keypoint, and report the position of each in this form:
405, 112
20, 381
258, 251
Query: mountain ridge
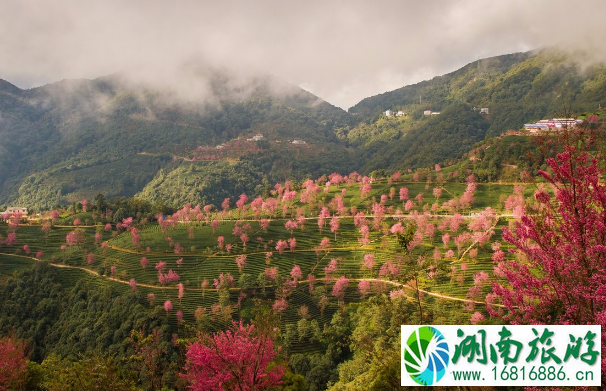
515, 89
71, 139
72, 125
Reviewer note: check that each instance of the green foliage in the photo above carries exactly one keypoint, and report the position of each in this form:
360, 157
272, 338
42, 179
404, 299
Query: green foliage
96, 372
73, 139
300, 164
77, 323
517, 88
317, 369
293, 382
202, 183
30, 305
405, 238
436, 139
375, 343
99, 314
505, 158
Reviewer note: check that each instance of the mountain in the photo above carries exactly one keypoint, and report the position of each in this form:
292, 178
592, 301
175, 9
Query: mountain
75, 138
191, 137
515, 88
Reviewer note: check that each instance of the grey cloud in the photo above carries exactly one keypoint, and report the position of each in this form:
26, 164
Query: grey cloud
341, 51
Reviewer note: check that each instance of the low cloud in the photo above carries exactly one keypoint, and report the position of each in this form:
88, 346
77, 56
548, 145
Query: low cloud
340, 51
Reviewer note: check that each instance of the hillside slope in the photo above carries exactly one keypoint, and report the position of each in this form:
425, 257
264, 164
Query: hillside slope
192, 141
516, 88
73, 139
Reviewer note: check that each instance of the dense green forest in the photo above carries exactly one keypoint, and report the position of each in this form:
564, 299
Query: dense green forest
68, 325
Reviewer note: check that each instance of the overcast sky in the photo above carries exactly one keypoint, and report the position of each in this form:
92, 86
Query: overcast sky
342, 51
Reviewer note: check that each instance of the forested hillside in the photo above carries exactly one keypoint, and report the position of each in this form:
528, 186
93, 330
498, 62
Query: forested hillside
516, 89
75, 138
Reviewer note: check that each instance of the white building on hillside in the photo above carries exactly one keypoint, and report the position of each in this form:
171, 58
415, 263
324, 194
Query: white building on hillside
256, 137
16, 210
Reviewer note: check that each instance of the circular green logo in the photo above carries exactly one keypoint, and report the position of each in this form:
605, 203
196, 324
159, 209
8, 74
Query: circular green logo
426, 355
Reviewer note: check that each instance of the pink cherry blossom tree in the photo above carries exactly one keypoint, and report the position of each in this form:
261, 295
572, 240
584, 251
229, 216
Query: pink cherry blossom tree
204, 286
214, 225
160, 266
13, 364
324, 246
237, 359
292, 244
180, 291
477, 318
311, 279
296, 273
280, 305
365, 190
409, 205
271, 273
338, 290
264, 224
168, 306
331, 268
241, 262
55, 214
369, 261
364, 288
46, 228
334, 225
281, 245
291, 225
75, 238
561, 238
225, 205
244, 239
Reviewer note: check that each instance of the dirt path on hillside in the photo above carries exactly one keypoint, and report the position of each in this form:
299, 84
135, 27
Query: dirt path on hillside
394, 283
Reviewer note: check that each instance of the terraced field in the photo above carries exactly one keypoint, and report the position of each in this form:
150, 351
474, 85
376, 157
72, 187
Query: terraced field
191, 249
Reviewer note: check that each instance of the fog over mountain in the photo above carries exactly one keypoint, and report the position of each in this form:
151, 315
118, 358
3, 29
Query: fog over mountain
340, 51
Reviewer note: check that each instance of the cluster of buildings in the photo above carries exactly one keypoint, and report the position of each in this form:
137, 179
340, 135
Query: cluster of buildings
552, 124
17, 210
389, 113
483, 110
256, 137
14, 212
